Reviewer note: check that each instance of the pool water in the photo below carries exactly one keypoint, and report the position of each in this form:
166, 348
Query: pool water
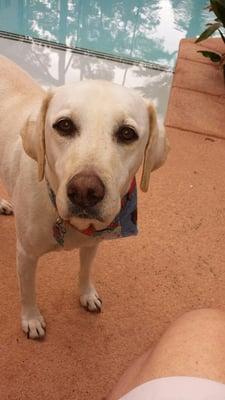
140, 30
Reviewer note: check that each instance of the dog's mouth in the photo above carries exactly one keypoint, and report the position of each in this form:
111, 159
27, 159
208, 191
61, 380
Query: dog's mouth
85, 213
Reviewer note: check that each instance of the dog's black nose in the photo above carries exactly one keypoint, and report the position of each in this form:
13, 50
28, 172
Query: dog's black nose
85, 190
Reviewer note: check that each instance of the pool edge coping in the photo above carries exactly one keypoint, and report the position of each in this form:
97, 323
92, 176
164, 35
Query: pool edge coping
85, 52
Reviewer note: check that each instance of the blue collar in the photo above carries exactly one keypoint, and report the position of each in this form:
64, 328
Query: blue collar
123, 225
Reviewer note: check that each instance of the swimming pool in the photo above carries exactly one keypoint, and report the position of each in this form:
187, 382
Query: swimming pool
136, 30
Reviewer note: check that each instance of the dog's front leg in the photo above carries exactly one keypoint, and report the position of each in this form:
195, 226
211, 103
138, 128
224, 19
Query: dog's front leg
33, 323
89, 298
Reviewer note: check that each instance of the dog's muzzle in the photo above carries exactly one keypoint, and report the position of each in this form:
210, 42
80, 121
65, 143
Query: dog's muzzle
123, 225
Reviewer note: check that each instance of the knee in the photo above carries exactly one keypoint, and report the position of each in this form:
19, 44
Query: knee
205, 318
193, 331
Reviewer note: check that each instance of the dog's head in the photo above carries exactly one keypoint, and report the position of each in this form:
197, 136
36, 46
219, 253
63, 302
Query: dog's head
90, 139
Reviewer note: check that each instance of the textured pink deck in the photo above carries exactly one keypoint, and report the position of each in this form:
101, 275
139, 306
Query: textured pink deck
197, 100
174, 265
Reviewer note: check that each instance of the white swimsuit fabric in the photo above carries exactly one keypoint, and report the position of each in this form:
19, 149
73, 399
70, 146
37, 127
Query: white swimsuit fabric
178, 388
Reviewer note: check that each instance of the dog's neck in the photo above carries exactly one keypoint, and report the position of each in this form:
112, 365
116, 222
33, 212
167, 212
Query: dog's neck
123, 225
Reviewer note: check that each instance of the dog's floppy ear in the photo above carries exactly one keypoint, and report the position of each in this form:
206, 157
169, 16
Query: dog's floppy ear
33, 136
156, 149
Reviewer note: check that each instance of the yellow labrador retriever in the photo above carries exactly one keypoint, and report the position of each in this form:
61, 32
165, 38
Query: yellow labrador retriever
68, 158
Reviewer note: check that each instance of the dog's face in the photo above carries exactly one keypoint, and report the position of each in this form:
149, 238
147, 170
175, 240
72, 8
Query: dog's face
94, 135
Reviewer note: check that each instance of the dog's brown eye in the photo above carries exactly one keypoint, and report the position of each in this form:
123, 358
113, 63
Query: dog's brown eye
65, 126
126, 134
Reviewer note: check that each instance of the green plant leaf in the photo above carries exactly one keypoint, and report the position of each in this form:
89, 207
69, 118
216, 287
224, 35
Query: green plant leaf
214, 57
218, 7
222, 35
209, 31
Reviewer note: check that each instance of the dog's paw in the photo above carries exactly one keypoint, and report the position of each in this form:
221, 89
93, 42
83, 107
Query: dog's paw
91, 301
6, 207
34, 326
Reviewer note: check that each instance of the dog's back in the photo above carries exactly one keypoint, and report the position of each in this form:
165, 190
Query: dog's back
20, 96
16, 81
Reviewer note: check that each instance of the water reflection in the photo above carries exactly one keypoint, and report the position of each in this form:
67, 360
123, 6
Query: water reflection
52, 67
148, 30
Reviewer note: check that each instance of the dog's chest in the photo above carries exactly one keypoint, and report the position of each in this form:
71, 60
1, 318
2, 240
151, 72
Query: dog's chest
69, 238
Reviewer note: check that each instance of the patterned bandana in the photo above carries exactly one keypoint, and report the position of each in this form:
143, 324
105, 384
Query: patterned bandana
124, 224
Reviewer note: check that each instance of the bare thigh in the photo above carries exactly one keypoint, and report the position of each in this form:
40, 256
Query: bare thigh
194, 345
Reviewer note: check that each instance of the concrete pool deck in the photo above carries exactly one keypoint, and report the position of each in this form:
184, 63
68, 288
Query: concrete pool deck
175, 264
